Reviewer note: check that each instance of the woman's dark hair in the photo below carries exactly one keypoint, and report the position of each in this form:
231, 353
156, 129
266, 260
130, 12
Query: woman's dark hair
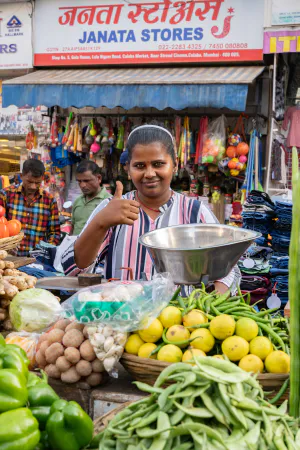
33, 166
87, 165
148, 135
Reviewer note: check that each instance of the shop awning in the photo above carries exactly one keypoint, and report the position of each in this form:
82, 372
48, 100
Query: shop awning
177, 88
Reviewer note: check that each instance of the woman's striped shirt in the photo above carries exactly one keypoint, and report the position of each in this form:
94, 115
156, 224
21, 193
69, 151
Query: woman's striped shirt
121, 248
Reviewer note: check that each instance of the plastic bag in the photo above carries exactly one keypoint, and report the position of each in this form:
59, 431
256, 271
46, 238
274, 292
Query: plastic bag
27, 341
214, 141
123, 305
34, 310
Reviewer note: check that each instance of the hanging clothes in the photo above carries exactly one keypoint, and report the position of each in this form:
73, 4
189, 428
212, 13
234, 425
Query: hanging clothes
292, 118
280, 89
278, 162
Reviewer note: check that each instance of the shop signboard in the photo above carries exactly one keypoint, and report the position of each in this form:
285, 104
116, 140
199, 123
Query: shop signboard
76, 33
282, 41
15, 36
285, 12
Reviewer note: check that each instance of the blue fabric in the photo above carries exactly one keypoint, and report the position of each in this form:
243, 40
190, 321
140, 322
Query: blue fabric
232, 96
278, 262
38, 273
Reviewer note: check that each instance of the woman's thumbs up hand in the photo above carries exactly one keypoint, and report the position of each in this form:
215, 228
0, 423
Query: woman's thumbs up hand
119, 211
119, 190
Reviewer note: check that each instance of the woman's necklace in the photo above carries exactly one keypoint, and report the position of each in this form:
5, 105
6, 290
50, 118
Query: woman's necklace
145, 206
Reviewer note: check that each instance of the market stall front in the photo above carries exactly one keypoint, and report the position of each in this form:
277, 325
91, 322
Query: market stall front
113, 101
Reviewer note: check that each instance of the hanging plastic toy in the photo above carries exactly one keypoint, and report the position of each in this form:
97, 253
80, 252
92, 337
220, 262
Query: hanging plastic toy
75, 139
234, 139
95, 147
30, 138
70, 138
88, 138
79, 139
111, 134
93, 130
120, 139
68, 129
54, 130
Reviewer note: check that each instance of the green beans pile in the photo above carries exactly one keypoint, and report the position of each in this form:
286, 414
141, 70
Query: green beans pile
270, 322
210, 405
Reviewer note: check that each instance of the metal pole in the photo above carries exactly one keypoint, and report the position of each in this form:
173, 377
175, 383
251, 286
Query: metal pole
267, 183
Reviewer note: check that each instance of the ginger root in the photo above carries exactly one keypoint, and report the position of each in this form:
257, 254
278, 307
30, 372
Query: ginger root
3, 314
9, 290
3, 254
5, 302
19, 282
12, 273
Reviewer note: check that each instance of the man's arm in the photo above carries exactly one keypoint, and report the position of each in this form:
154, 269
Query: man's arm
54, 225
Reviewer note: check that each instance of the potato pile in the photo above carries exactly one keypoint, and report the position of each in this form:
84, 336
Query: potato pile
11, 282
65, 353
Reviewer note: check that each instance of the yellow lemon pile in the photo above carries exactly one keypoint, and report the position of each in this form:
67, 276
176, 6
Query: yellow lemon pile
174, 337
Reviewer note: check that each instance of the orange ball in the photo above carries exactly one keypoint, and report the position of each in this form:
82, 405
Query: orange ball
232, 164
214, 151
242, 148
231, 151
209, 143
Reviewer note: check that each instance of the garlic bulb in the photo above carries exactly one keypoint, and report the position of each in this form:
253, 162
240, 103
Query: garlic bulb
108, 344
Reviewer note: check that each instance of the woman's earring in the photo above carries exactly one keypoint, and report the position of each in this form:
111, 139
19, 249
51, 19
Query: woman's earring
129, 177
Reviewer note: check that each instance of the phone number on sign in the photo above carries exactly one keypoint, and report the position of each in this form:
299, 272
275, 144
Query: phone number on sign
180, 47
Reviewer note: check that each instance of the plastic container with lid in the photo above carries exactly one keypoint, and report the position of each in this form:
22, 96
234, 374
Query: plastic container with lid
228, 199
206, 190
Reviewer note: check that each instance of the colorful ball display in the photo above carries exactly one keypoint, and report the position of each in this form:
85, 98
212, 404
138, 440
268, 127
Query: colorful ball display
213, 151
234, 139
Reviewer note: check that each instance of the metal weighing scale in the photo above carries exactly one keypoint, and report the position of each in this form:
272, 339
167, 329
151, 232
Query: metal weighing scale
197, 253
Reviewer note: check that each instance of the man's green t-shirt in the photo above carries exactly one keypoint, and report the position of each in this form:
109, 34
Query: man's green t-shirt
83, 208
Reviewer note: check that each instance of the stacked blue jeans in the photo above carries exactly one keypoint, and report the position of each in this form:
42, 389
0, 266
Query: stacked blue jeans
258, 213
281, 236
274, 219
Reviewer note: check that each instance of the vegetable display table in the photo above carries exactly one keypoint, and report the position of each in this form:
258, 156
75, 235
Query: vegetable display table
70, 284
102, 399
20, 261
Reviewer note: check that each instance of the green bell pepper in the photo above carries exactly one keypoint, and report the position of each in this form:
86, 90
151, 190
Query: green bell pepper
18, 430
41, 396
19, 351
69, 427
10, 359
44, 442
2, 341
13, 391
34, 379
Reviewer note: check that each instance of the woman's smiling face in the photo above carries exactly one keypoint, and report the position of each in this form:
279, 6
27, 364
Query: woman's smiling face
151, 169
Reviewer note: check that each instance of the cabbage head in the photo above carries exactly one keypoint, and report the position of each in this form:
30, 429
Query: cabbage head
34, 310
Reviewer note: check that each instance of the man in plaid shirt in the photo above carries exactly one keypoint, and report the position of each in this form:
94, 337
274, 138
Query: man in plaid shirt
33, 207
